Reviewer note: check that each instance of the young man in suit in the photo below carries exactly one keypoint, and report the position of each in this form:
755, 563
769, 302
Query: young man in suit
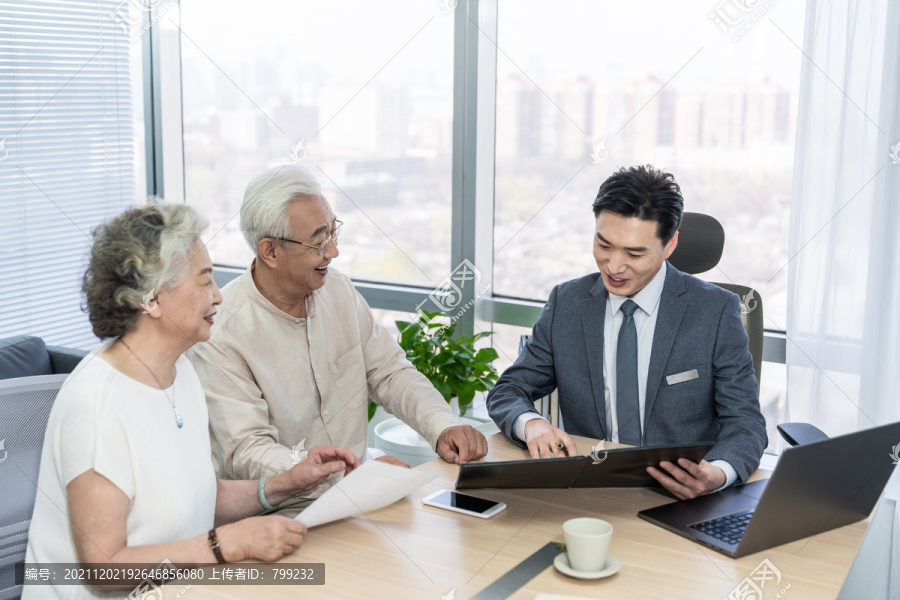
640, 352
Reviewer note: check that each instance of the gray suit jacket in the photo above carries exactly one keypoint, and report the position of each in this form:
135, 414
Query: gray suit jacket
698, 327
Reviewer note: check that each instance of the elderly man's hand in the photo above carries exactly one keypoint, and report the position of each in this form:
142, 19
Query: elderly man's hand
688, 479
460, 444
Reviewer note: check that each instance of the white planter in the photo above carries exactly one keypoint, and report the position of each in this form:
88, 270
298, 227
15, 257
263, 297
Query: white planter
379, 416
398, 439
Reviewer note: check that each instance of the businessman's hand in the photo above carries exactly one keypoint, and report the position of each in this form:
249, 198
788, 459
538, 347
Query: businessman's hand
460, 444
546, 441
688, 479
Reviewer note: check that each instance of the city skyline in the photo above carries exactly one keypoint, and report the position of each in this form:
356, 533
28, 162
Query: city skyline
383, 150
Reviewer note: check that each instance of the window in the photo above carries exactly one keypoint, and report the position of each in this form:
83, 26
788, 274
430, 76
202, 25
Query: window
634, 83
367, 108
581, 89
71, 155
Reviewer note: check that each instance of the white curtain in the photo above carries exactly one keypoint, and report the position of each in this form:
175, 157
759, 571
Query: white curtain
843, 320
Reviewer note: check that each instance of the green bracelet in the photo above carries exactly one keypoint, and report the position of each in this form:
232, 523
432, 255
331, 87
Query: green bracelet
262, 494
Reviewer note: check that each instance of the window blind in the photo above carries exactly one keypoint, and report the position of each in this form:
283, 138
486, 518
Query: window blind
68, 155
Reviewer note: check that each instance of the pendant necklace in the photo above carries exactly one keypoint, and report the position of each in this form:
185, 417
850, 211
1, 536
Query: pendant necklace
178, 420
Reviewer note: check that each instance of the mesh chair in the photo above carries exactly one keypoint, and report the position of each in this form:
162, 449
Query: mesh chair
25, 404
701, 240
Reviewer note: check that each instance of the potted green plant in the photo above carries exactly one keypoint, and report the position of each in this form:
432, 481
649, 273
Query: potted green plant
453, 365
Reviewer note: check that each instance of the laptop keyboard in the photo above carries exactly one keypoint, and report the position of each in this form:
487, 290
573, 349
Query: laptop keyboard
728, 529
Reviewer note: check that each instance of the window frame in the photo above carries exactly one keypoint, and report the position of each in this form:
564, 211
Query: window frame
472, 203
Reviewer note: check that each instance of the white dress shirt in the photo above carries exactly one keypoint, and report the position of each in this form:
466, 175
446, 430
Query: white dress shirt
645, 324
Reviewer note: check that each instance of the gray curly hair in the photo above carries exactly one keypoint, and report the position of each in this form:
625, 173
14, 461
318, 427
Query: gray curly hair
141, 251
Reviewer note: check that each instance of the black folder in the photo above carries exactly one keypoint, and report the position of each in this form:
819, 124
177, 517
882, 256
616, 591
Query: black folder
622, 467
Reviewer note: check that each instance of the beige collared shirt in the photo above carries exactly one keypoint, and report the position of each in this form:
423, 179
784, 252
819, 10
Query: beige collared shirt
273, 381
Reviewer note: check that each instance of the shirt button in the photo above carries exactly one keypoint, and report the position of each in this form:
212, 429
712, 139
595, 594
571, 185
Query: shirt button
325, 413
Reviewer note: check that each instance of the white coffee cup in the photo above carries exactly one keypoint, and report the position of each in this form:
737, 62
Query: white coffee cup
587, 543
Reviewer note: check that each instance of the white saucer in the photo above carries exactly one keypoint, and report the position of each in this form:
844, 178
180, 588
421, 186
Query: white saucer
561, 562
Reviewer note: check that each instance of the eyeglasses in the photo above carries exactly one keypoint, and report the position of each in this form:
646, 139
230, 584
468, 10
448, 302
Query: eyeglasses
320, 248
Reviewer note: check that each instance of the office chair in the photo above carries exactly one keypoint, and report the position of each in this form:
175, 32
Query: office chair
701, 240
25, 404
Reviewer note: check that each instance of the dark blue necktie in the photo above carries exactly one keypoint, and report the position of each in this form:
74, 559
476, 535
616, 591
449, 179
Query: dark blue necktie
627, 410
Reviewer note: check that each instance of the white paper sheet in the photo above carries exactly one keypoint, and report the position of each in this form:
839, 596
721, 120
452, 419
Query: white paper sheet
372, 485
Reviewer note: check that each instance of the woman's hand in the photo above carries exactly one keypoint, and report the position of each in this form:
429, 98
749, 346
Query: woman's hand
261, 538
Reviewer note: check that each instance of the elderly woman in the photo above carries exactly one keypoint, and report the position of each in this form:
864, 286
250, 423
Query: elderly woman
126, 473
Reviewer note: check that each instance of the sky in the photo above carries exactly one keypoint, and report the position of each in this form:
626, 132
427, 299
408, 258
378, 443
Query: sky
596, 38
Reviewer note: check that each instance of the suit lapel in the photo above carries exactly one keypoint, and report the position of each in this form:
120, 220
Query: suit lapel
672, 305
593, 312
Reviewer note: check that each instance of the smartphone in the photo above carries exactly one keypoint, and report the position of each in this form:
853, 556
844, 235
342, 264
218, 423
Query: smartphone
465, 504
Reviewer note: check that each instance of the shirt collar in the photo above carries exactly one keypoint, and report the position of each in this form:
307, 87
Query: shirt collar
647, 299
266, 304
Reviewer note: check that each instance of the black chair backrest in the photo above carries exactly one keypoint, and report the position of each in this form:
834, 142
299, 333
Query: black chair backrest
24, 356
701, 239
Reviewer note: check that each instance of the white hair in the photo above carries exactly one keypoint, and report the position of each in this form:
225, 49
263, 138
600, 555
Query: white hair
267, 200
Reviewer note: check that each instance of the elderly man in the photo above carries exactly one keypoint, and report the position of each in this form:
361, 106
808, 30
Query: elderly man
296, 352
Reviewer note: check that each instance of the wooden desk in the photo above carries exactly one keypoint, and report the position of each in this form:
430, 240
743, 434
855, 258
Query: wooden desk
408, 550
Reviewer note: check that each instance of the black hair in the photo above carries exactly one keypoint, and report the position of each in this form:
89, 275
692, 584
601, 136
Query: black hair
646, 193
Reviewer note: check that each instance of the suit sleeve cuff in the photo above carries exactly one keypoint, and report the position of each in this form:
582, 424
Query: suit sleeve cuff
730, 473
521, 420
